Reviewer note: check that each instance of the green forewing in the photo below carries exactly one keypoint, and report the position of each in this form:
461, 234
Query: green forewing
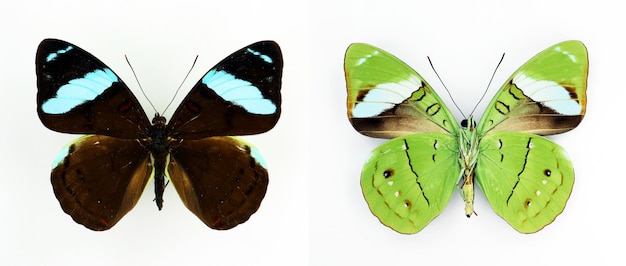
387, 99
526, 178
409, 180
546, 95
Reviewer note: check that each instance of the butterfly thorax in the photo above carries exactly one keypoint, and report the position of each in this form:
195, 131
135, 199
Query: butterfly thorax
159, 148
468, 147
158, 136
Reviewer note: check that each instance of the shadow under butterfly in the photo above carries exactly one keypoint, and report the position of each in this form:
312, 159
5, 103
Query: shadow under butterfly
98, 178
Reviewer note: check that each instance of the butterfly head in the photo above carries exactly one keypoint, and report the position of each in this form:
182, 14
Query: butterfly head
158, 120
468, 123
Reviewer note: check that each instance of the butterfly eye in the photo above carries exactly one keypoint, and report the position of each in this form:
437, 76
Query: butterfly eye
464, 123
158, 120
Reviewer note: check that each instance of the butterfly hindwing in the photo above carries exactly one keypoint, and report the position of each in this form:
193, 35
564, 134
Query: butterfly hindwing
220, 179
546, 95
77, 93
409, 180
387, 98
526, 178
98, 179
239, 96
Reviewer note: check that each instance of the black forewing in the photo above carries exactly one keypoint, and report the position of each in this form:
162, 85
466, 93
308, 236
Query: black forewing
210, 112
114, 111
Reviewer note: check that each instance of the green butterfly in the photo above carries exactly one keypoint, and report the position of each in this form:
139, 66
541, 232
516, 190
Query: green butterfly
526, 178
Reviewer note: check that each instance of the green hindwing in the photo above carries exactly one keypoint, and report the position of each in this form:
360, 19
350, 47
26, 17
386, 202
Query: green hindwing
546, 95
387, 98
408, 181
526, 178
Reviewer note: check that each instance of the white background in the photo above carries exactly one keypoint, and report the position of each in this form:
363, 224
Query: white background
313, 212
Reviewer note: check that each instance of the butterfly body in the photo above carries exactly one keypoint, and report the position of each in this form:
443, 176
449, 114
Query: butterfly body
468, 155
99, 177
526, 178
159, 147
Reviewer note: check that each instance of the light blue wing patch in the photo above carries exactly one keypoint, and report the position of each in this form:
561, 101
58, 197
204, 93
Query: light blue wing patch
260, 55
61, 156
238, 91
257, 156
79, 91
54, 55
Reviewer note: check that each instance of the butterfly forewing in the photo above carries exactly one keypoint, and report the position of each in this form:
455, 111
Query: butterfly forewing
221, 179
77, 93
387, 99
546, 95
239, 96
98, 179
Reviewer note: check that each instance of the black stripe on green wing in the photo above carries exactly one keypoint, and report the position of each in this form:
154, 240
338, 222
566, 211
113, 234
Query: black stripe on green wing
387, 98
526, 178
546, 95
98, 179
408, 181
220, 179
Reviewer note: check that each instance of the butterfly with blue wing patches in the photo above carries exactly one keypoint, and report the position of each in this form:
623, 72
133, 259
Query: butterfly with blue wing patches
99, 177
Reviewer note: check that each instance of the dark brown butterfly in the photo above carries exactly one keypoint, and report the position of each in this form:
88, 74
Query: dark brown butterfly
99, 178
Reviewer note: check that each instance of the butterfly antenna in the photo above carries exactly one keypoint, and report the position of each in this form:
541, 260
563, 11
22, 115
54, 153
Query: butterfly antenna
489, 84
139, 83
181, 84
444, 86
